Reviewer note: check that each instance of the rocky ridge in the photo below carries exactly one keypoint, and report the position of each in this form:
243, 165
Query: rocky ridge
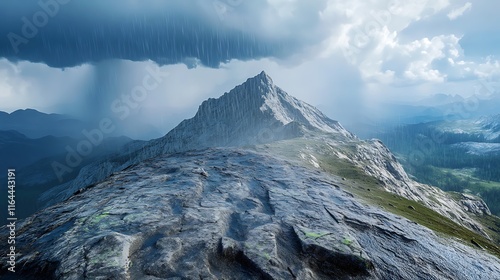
232, 214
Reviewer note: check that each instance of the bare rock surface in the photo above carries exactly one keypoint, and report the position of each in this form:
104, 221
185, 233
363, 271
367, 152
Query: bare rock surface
231, 214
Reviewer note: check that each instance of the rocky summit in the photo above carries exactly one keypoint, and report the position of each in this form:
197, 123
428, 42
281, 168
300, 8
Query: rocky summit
258, 185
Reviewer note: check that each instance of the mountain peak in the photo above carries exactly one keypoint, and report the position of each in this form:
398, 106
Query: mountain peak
254, 112
27, 111
263, 77
260, 84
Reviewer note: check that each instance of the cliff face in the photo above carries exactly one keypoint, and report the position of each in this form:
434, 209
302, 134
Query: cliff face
232, 214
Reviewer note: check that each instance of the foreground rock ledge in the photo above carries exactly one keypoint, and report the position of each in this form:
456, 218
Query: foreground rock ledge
232, 214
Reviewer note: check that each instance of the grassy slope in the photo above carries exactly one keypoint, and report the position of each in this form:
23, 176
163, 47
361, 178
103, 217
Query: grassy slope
369, 190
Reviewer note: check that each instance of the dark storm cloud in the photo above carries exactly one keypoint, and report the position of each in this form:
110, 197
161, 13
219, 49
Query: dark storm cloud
65, 33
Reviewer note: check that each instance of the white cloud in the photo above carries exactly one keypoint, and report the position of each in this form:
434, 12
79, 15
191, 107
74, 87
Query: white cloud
425, 60
458, 12
488, 70
369, 38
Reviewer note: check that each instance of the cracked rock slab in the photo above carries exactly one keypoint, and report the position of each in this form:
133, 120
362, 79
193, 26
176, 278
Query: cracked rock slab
253, 217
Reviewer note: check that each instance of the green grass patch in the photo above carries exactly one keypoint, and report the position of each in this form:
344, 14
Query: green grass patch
344, 169
346, 241
99, 217
467, 174
314, 234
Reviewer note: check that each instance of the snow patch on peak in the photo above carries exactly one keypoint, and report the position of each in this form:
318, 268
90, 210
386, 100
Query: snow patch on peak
287, 108
273, 103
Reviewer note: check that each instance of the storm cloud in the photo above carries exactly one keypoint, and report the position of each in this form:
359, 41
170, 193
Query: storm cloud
66, 33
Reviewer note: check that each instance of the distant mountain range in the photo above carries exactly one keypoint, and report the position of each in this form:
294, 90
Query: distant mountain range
439, 107
35, 124
49, 139
455, 133
257, 185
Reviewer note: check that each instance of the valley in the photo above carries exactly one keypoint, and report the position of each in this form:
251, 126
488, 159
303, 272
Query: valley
459, 156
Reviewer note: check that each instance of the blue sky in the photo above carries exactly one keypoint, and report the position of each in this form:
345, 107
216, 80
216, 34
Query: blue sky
341, 56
